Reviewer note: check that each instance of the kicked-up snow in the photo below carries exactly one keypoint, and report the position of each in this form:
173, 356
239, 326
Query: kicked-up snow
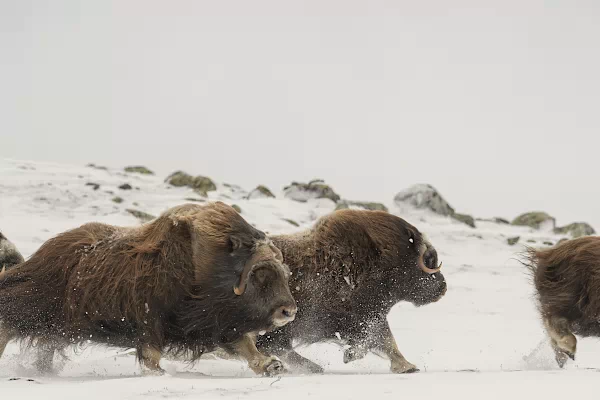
483, 340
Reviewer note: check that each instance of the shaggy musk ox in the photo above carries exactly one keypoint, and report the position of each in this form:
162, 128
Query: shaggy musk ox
348, 271
567, 280
195, 278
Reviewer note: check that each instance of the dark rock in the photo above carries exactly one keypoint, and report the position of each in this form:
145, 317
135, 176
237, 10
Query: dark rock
195, 199
201, 184
142, 216
94, 186
576, 229
536, 220
261, 192
513, 240
138, 169
344, 204
424, 196
315, 189
465, 219
126, 186
291, 221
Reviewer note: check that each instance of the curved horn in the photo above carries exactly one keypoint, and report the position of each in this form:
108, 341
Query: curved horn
2, 272
240, 288
426, 269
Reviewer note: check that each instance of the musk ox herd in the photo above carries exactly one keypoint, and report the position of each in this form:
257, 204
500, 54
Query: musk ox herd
200, 278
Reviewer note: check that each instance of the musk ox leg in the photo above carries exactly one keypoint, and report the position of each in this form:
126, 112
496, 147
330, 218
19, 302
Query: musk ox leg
45, 356
258, 362
299, 363
563, 341
149, 357
6, 335
385, 344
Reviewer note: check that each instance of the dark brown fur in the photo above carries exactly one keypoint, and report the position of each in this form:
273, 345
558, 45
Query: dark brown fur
567, 280
165, 286
347, 273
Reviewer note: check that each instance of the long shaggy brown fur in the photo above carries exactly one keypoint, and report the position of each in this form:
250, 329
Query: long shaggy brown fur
567, 280
348, 271
167, 284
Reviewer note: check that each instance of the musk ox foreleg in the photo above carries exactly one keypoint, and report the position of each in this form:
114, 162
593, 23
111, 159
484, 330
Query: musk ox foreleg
380, 341
6, 335
258, 362
563, 341
45, 356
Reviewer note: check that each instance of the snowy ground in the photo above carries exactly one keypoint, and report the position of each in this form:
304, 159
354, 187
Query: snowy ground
482, 340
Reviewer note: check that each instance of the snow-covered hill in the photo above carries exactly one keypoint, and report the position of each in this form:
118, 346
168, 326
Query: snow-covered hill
482, 340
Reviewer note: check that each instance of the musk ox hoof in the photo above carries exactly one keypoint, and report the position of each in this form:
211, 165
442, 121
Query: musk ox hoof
353, 354
273, 367
562, 358
407, 368
153, 372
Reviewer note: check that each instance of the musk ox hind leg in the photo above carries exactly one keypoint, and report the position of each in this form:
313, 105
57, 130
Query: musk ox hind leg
258, 362
149, 357
563, 341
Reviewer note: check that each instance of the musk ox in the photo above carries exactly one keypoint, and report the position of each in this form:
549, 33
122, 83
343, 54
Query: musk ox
193, 279
348, 271
567, 281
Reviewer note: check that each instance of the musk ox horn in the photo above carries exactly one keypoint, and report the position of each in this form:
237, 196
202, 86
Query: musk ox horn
240, 288
427, 269
263, 252
2, 272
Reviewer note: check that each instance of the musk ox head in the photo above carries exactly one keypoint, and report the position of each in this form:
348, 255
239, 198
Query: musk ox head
418, 267
259, 285
264, 284
9, 255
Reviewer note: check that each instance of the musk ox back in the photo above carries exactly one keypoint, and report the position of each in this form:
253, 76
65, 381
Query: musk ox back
567, 281
195, 278
347, 273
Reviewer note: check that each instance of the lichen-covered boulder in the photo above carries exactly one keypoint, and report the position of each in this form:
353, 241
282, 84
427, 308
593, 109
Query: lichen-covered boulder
237, 208
536, 220
576, 229
138, 169
425, 197
465, 219
343, 204
502, 221
315, 189
200, 184
261, 192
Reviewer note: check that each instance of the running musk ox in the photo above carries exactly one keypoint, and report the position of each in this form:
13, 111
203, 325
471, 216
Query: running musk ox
348, 271
9, 255
195, 278
567, 280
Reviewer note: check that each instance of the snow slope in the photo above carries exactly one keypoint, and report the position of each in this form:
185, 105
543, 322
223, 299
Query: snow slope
483, 339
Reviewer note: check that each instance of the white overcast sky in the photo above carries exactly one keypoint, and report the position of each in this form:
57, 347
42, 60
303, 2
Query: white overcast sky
493, 102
